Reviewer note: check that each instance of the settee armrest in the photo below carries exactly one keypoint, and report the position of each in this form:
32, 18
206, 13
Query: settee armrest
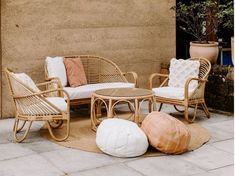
134, 75
49, 82
52, 83
154, 75
56, 80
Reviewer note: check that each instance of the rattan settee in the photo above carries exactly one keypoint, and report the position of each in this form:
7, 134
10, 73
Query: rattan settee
100, 73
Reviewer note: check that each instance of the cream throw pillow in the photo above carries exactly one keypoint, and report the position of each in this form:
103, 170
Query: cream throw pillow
56, 68
24, 78
181, 70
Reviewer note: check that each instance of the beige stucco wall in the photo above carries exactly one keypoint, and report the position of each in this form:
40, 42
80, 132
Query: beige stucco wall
136, 34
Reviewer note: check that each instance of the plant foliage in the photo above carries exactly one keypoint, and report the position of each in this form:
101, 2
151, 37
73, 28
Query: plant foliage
202, 18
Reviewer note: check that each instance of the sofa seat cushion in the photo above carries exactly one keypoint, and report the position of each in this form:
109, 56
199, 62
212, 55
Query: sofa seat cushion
121, 138
85, 91
171, 92
59, 102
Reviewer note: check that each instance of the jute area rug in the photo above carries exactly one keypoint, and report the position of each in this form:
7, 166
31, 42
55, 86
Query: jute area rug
83, 138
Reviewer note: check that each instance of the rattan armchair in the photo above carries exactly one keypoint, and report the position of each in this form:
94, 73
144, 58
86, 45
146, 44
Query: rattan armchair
34, 106
190, 99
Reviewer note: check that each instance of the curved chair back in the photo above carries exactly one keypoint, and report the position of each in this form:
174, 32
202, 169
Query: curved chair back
98, 69
205, 67
26, 103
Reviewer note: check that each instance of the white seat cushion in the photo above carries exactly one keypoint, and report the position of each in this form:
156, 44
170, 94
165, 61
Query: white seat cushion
181, 70
171, 92
59, 102
25, 79
121, 138
56, 68
85, 91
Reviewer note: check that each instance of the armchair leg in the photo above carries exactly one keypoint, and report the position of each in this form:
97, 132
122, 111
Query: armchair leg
22, 126
160, 107
56, 123
16, 130
52, 134
206, 110
186, 114
178, 109
195, 112
150, 106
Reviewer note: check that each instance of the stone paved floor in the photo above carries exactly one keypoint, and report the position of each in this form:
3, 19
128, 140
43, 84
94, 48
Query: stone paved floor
38, 156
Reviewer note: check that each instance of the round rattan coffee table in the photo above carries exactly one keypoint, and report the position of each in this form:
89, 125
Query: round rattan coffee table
111, 97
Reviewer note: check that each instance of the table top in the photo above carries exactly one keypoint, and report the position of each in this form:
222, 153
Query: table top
124, 92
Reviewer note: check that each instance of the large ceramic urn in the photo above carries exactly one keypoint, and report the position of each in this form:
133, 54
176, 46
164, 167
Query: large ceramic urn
208, 50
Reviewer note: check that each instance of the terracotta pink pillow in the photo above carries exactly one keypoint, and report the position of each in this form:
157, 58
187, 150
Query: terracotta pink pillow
166, 133
75, 72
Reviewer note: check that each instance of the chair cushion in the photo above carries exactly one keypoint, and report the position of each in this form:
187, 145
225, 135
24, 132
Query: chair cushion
171, 92
25, 79
56, 68
59, 102
121, 138
166, 133
86, 91
181, 70
75, 72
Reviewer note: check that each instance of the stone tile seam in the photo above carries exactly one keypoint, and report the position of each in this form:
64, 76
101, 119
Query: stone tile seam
125, 164
46, 151
201, 167
220, 149
203, 173
45, 158
22, 156
105, 165
220, 167
223, 140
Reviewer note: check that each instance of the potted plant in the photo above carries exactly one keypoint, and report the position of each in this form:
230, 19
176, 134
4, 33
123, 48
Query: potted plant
201, 19
227, 15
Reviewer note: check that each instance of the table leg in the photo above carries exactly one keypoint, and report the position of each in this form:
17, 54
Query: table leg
92, 114
136, 116
98, 108
110, 109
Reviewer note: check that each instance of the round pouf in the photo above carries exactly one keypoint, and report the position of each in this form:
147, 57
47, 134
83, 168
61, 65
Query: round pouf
121, 138
166, 133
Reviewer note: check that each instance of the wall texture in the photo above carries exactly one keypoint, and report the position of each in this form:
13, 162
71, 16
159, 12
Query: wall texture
136, 34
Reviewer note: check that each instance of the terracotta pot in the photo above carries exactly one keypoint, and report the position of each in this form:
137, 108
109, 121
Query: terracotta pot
209, 50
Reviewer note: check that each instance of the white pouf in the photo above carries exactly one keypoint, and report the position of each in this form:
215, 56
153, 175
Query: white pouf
121, 138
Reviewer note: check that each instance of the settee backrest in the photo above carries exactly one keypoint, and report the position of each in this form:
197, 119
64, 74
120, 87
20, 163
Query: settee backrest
98, 69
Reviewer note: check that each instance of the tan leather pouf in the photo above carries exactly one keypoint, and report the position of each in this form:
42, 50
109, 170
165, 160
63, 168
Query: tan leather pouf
166, 133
